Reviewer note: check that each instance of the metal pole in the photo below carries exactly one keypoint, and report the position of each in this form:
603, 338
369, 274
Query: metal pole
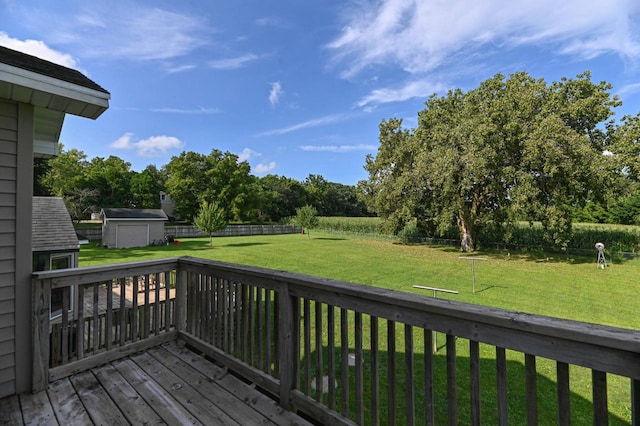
473, 275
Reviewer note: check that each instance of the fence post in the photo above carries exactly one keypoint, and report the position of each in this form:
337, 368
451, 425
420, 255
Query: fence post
41, 339
286, 345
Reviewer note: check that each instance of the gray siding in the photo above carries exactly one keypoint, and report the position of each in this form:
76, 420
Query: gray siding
8, 191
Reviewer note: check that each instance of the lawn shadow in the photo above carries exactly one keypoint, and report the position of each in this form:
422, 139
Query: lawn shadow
245, 244
523, 254
482, 290
329, 238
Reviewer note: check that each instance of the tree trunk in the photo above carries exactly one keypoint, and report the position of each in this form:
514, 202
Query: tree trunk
467, 240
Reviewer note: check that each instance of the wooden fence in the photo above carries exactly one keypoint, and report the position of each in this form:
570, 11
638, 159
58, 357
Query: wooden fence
94, 233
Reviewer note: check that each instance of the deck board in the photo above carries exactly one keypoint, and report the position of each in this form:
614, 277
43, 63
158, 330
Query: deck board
10, 409
67, 406
166, 384
37, 409
248, 394
133, 407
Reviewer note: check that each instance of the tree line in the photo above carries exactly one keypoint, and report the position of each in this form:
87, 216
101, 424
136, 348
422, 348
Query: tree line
513, 149
190, 179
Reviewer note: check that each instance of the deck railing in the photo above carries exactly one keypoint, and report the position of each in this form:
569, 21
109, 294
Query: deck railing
344, 353
107, 312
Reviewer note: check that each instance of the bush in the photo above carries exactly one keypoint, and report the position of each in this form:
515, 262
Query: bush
410, 233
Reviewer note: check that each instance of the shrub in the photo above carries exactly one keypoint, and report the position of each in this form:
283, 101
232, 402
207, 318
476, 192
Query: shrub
410, 233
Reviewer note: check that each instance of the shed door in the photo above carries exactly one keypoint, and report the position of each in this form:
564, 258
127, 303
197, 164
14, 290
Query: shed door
132, 235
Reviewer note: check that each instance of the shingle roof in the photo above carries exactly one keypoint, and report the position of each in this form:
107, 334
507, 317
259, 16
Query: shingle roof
49, 69
51, 226
150, 214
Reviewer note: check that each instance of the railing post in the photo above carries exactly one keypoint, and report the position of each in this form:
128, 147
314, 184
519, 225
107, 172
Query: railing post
41, 339
288, 366
181, 297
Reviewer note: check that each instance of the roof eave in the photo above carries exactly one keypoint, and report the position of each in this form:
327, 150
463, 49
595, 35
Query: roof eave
25, 86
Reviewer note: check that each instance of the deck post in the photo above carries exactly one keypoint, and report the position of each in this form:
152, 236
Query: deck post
41, 306
288, 366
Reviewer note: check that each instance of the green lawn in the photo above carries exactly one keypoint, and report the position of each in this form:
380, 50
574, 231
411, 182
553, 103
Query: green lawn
559, 286
531, 282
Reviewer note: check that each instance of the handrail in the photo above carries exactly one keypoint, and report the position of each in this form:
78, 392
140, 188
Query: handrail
257, 321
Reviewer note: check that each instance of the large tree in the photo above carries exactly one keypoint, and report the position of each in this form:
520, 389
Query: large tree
513, 148
146, 187
218, 177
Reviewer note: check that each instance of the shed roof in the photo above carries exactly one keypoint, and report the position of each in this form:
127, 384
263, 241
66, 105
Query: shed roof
51, 226
134, 214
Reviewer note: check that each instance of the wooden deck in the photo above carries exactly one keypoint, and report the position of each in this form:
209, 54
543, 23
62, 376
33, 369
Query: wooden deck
166, 384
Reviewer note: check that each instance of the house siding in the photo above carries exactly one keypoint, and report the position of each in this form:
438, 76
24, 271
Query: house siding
8, 191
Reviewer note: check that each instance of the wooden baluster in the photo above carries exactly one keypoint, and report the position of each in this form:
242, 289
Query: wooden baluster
531, 376
344, 365
307, 346
501, 371
391, 372
123, 306
359, 369
318, 332
564, 393
135, 315
65, 325
109, 318
375, 371
80, 324
452, 395
474, 359
600, 405
331, 356
429, 407
96, 318
409, 376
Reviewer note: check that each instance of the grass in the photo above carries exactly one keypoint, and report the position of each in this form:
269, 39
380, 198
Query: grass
560, 286
557, 285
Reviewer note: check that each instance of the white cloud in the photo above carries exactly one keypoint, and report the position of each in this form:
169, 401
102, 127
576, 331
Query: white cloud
412, 89
152, 147
233, 63
421, 36
275, 93
180, 68
38, 49
247, 154
629, 89
126, 30
322, 121
195, 111
123, 142
264, 168
338, 148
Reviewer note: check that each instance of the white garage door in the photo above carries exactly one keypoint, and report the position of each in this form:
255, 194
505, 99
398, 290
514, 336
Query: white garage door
132, 236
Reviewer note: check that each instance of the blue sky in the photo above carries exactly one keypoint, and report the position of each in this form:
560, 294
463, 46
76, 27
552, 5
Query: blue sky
300, 87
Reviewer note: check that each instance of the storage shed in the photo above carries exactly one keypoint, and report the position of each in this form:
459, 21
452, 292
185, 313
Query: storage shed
54, 244
122, 228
